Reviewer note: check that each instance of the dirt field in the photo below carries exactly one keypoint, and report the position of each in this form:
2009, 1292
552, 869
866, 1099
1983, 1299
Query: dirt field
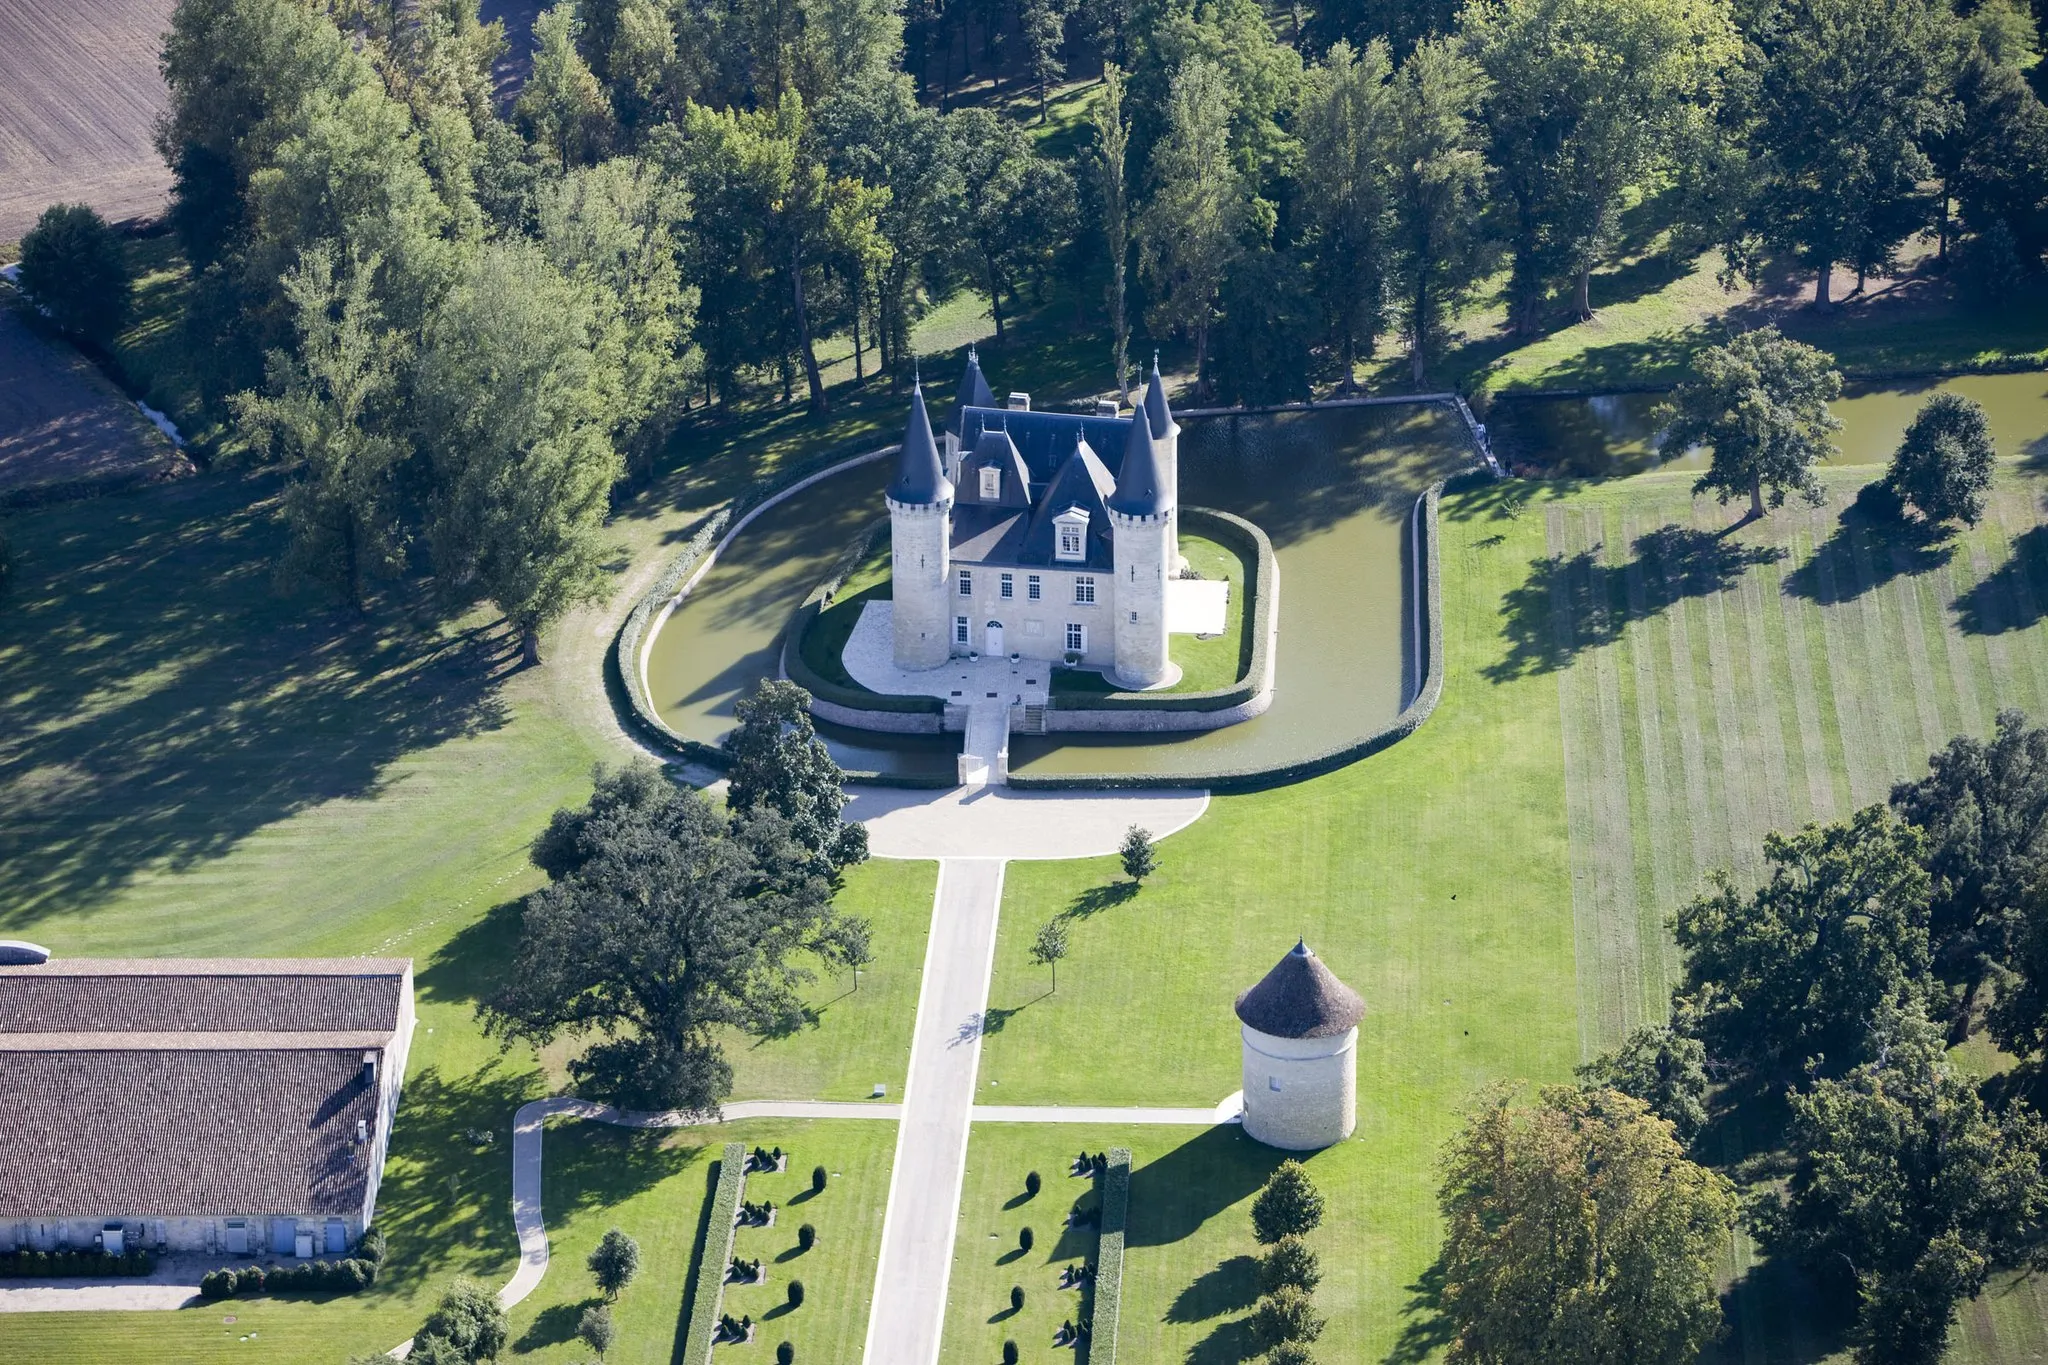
78, 90
61, 421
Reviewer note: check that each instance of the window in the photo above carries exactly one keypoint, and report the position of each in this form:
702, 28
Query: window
966, 583
1084, 590
1272, 1082
1070, 542
991, 483
959, 630
1033, 587
1134, 618
1009, 587
1077, 638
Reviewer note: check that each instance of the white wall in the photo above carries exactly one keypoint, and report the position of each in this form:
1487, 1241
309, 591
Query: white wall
1316, 1102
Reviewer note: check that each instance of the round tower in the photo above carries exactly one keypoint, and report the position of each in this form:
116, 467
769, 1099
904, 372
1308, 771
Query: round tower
1166, 455
1300, 1055
1141, 536
920, 501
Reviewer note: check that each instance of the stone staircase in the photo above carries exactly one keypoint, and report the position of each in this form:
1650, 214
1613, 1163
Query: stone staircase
1027, 720
985, 753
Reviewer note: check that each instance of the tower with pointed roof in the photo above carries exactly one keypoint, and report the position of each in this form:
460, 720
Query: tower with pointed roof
1300, 1034
920, 502
1048, 536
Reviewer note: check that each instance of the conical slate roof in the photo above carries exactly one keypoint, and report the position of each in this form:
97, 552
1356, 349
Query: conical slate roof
1157, 414
974, 393
1140, 486
920, 477
1301, 998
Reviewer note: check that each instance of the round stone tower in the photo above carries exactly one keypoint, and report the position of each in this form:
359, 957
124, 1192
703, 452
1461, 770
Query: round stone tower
1141, 534
920, 540
1300, 1055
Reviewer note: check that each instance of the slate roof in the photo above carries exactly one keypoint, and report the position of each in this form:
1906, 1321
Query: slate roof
1157, 413
920, 476
1141, 485
1301, 998
172, 1087
974, 393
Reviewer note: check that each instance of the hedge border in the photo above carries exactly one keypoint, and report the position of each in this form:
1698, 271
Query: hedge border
672, 587
1262, 578
1109, 1258
69, 1263
1428, 559
709, 1295
798, 669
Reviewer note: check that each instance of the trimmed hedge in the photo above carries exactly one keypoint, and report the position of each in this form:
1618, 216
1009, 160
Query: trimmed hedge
1261, 570
1109, 1258
350, 1276
719, 1231
47, 1265
1403, 725
625, 657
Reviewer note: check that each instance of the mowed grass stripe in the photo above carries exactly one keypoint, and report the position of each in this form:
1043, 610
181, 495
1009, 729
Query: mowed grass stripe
2011, 683
1933, 702
1616, 833
1580, 794
1962, 654
1657, 858
1849, 673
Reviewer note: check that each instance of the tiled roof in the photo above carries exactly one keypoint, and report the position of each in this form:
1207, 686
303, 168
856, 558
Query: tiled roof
228, 995
169, 1133
1301, 998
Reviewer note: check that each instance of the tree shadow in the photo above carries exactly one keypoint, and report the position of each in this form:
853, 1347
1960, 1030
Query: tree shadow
1173, 1196
1572, 603
1228, 1287
1866, 552
1424, 1329
554, 1325
1805, 1317
2010, 597
1004, 1314
1230, 1343
1096, 899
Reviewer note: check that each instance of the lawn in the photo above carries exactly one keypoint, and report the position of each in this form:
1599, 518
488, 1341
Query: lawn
656, 1187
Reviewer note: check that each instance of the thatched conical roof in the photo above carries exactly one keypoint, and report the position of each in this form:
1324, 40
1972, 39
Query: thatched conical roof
1301, 998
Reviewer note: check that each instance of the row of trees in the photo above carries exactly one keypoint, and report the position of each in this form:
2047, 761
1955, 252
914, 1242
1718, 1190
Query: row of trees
1839, 983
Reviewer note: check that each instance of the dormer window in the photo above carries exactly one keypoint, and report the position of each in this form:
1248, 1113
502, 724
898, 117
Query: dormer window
991, 483
1070, 534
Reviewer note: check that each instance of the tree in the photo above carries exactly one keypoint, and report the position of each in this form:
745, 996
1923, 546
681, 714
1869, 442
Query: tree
661, 925
1016, 208
614, 1262
1902, 1178
1401, 23
596, 1329
1760, 403
1291, 1353
467, 1326
1576, 1231
1287, 1314
563, 104
1983, 808
73, 266
1044, 23
1664, 1066
1439, 186
1587, 99
1347, 193
1112, 144
1288, 1206
1998, 168
1849, 90
1050, 946
1139, 855
1289, 1261
1801, 966
328, 416
1943, 466
777, 762
510, 407
1190, 229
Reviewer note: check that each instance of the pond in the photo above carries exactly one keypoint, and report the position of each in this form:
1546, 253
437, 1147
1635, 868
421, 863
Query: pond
1606, 435
1332, 488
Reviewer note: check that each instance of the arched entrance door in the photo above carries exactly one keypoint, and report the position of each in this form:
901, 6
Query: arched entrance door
992, 638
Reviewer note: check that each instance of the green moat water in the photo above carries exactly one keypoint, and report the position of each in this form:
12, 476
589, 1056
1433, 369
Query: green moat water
1611, 434
1333, 489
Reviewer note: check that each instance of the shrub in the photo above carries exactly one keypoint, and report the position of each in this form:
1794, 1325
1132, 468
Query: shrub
73, 266
715, 1257
1291, 1261
1291, 1353
250, 1279
785, 1354
806, 1237
1944, 463
614, 1263
1009, 1353
1104, 1307
596, 1328
817, 1180
468, 1324
1016, 1298
1289, 1205
1287, 1314
1031, 1184
370, 1246
796, 1293
1138, 856
1024, 1240
217, 1284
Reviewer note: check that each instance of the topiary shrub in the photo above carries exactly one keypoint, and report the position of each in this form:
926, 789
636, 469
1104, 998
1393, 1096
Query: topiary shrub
249, 1279
817, 1180
217, 1284
1031, 1185
1291, 1353
1016, 1298
785, 1354
1290, 1205
1009, 1353
806, 1237
796, 1293
1290, 1261
1024, 1240
1287, 1314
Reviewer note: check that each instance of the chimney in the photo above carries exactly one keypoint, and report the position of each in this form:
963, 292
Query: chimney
370, 1070
362, 1131
1020, 402
1107, 407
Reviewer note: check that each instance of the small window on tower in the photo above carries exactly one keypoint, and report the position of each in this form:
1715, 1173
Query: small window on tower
991, 483
1272, 1082
1134, 618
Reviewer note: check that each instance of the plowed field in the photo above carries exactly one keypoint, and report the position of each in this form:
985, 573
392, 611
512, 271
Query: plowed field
62, 421
78, 91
